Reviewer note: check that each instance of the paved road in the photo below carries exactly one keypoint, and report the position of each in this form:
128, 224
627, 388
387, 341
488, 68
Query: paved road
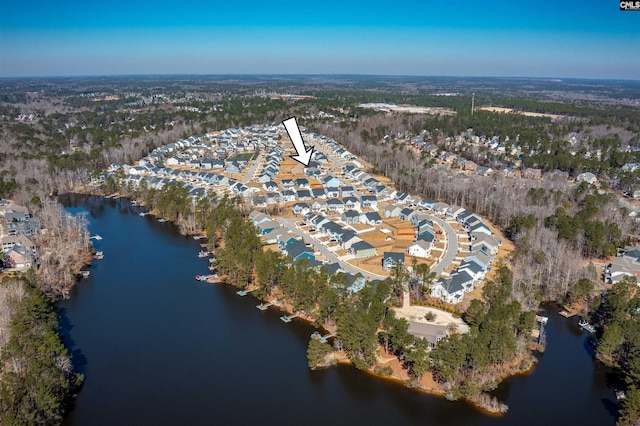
252, 170
452, 246
331, 257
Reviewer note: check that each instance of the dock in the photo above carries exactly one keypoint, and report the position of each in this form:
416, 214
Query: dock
143, 214
286, 318
264, 306
243, 292
96, 237
326, 337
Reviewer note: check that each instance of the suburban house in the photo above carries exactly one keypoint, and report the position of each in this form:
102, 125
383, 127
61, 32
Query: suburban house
319, 193
362, 249
353, 283
451, 289
298, 251
371, 218
626, 265
432, 333
369, 201
454, 211
407, 213
350, 202
335, 204
300, 208
440, 208
392, 211
350, 217
427, 204
319, 206
391, 258
18, 240
333, 192
478, 227
487, 243
473, 269
420, 248
347, 191
303, 194
330, 181
18, 258
265, 227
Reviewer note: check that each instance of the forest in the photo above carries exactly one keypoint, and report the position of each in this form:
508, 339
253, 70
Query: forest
57, 136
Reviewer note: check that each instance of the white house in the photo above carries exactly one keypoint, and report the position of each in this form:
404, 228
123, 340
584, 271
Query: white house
420, 248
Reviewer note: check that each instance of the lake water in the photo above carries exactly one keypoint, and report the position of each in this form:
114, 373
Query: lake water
159, 348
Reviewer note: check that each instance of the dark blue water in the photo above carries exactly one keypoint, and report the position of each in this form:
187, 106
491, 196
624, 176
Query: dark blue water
159, 348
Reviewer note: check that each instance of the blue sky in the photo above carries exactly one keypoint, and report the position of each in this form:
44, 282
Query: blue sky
583, 39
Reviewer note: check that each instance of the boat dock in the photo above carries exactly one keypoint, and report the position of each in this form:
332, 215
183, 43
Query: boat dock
243, 292
326, 337
286, 318
264, 306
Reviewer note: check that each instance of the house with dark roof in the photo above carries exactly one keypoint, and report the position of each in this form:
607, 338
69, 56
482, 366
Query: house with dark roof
334, 204
298, 251
371, 218
362, 249
300, 208
350, 217
350, 202
407, 213
391, 258
348, 238
303, 194
369, 201
347, 191
451, 289
319, 193
333, 192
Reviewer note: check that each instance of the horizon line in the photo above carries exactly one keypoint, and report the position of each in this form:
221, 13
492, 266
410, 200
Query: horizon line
550, 78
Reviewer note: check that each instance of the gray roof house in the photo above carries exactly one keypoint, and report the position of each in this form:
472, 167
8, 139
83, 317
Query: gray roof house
362, 249
390, 259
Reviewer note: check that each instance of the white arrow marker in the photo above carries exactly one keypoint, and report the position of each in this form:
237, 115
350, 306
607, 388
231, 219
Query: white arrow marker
303, 156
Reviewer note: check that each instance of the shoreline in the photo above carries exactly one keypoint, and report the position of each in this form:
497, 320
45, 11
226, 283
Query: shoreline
285, 307
338, 358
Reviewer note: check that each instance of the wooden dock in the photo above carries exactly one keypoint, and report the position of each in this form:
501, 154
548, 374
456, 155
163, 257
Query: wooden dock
326, 337
289, 318
264, 306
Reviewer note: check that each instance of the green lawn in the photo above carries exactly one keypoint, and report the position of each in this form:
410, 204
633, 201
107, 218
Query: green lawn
246, 156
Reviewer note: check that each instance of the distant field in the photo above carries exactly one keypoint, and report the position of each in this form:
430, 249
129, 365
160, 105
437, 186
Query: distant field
528, 114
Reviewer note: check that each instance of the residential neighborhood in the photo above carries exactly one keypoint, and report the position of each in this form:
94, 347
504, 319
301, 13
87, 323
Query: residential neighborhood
17, 228
332, 213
